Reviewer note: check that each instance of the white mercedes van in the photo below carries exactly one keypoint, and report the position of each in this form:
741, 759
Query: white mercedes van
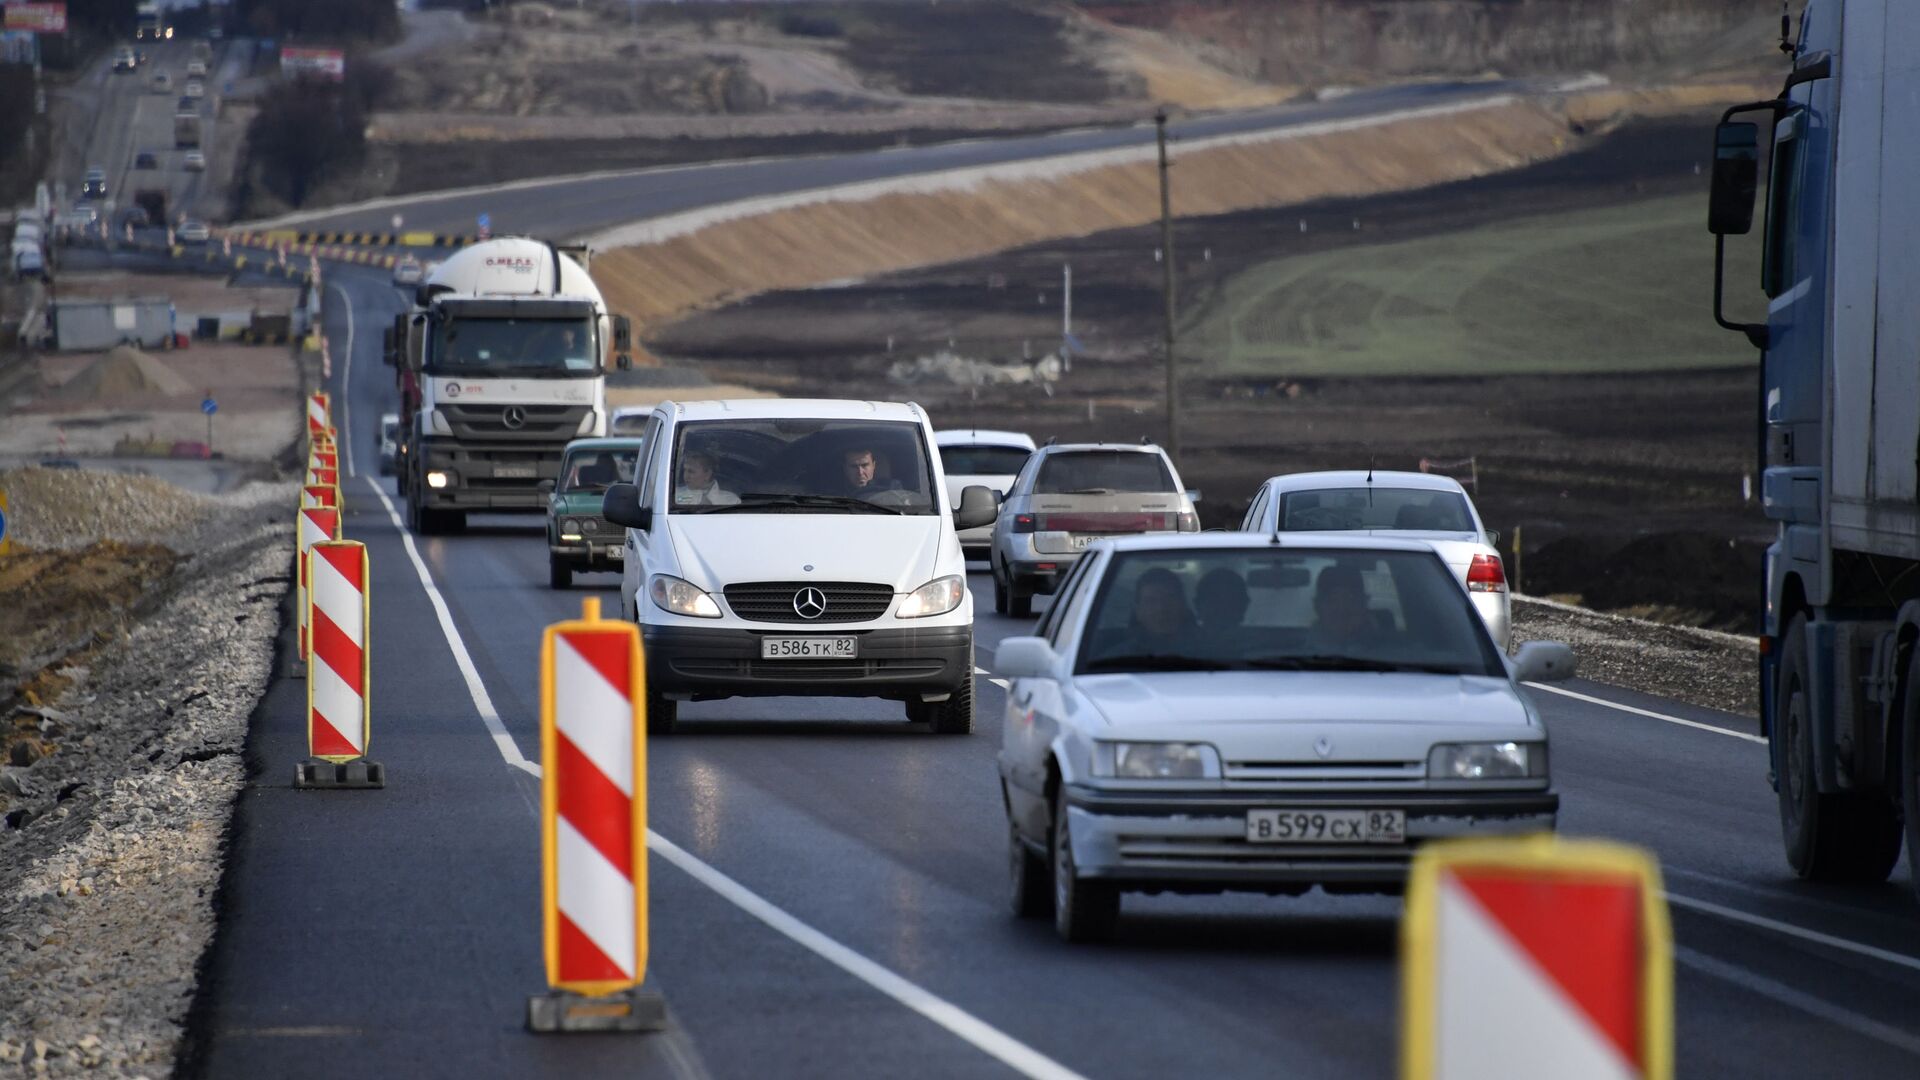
782, 546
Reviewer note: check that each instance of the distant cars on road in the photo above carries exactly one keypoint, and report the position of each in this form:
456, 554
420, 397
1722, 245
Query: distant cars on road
1413, 505
124, 59
1069, 495
194, 161
196, 68
1224, 712
146, 159
580, 539
193, 232
976, 457
94, 184
389, 443
408, 271
161, 82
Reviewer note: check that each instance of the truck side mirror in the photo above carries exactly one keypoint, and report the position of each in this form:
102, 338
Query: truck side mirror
1736, 178
623, 362
621, 505
622, 336
386, 346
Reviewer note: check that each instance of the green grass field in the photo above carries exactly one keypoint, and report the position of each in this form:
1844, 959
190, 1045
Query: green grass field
1619, 289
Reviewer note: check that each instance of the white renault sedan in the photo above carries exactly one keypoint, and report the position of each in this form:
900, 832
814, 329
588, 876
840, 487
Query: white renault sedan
1416, 506
1224, 712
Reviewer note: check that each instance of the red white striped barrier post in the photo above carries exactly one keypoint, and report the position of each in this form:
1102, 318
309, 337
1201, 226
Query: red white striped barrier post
317, 525
593, 826
1535, 956
339, 725
319, 416
320, 474
320, 495
325, 459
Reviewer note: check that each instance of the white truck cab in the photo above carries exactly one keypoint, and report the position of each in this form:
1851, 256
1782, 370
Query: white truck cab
795, 547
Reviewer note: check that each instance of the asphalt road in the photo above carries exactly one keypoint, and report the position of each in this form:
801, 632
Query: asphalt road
569, 208
397, 932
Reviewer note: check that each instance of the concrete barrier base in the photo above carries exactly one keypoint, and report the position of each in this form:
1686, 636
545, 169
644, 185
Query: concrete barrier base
637, 1010
314, 773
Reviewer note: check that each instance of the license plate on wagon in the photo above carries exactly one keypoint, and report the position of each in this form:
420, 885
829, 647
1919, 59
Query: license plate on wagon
809, 648
1304, 825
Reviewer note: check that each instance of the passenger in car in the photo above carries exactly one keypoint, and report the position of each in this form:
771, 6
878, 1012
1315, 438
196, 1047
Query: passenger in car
1220, 601
698, 486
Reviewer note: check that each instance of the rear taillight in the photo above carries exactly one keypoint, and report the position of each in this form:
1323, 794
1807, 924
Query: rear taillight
1023, 523
1189, 521
1486, 574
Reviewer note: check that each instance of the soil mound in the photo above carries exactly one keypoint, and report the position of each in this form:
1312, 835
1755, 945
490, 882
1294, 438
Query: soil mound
123, 371
1710, 581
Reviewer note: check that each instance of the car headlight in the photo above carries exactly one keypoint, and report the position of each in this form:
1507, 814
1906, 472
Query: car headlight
1156, 761
440, 425
1487, 761
682, 597
439, 478
569, 528
934, 598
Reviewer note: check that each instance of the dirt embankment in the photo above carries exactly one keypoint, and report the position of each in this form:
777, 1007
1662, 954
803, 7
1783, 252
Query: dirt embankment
663, 268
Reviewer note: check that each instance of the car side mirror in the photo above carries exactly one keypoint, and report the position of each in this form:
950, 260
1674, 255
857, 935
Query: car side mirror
977, 507
386, 346
545, 486
1736, 178
621, 506
1543, 661
1025, 658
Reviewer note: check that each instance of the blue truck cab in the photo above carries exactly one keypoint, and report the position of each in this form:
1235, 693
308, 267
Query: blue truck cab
1838, 428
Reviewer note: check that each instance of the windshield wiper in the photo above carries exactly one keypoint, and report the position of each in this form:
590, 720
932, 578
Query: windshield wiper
1327, 662
841, 502
757, 503
1157, 662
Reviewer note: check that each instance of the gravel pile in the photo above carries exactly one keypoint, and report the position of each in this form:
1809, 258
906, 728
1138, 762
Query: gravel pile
1700, 667
68, 508
110, 854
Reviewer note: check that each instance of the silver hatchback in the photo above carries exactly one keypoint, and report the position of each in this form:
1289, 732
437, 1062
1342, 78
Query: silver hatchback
1069, 495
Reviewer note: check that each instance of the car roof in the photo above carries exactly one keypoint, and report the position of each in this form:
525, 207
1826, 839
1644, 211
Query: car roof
1313, 481
608, 442
1261, 542
1067, 448
794, 409
982, 437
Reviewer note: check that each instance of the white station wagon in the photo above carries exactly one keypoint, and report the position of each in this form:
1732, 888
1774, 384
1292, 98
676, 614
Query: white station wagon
1231, 712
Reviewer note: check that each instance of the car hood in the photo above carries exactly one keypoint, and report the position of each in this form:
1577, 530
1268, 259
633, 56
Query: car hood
580, 502
1280, 716
717, 550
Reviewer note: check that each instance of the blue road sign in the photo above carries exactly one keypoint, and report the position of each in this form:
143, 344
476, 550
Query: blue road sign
485, 221
209, 406
3, 524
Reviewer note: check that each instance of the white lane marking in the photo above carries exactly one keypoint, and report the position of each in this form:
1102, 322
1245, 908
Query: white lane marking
997, 1044
1872, 952
1649, 713
346, 380
1002, 1047
482, 701
1796, 999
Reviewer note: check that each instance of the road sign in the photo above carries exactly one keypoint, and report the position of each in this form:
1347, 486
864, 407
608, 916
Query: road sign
485, 224
398, 221
209, 406
1536, 956
6, 545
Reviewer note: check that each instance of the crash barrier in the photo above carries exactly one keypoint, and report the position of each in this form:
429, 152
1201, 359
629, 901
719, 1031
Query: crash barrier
325, 459
319, 495
295, 239
1535, 956
593, 828
339, 713
320, 474
318, 524
319, 413
1466, 471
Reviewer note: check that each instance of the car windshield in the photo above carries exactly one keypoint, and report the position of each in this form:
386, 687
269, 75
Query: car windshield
983, 460
515, 346
1283, 610
593, 470
1347, 509
801, 466
1078, 472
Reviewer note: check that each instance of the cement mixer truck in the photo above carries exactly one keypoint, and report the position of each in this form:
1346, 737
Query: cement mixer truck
501, 361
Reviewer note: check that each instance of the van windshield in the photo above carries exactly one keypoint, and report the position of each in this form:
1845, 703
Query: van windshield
801, 466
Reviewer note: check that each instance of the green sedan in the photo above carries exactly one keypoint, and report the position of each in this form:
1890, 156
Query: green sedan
579, 539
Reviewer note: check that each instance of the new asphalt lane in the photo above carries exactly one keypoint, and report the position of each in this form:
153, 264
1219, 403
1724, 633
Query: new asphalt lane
397, 932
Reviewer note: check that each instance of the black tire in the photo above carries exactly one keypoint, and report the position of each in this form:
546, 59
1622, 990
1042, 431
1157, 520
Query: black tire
1029, 889
953, 716
662, 714
1909, 762
559, 572
1083, 910
1837, 837
1019, 601
453, 521
999, 590
423, 521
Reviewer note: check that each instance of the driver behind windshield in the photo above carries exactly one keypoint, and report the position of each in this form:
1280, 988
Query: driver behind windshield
860, 474
1340, 609
1161, 618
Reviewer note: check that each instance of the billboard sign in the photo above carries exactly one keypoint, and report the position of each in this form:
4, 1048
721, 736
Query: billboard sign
296, 62
38, 18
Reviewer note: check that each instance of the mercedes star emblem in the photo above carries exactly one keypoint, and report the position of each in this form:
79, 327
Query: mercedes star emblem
809, 603
513, 417
1323, 746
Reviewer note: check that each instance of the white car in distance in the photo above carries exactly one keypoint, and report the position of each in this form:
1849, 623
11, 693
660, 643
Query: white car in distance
989, 459
1199, 714
1410, 505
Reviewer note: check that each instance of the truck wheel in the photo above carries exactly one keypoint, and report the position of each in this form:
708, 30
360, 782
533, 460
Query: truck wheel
1909, 763
1083, 910
453, 521
559, 572
423, 521
662, 714
1837, 837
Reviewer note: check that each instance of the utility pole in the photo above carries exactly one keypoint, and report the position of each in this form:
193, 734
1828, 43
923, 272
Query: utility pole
1166, 264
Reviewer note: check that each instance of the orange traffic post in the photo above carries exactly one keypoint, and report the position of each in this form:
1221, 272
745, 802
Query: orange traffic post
316, 524
593, 829
1535, 956
339, 701
319, 413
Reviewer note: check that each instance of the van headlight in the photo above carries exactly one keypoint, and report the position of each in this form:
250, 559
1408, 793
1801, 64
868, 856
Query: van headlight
1487, 761
681, 597
1156, 761
933, 598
